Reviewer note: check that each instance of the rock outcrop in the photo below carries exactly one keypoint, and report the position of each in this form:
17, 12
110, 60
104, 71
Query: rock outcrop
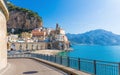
22, 19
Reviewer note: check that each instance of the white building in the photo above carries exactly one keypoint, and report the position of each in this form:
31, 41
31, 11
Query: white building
59, 37
13, 38
62, 32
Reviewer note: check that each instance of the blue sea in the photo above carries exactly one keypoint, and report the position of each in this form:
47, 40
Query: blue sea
108, 58
104, 53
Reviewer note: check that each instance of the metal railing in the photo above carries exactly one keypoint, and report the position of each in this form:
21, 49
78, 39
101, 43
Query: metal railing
93, 67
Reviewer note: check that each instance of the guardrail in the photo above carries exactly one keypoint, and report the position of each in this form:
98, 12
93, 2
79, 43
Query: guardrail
93, 67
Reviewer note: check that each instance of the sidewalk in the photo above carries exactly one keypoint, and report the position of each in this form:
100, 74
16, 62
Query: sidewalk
30, 67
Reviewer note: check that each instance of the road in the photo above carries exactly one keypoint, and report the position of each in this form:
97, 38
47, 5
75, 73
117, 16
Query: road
30, 67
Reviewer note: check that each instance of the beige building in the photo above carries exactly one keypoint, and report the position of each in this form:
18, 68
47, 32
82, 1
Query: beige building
39, 33
3, 34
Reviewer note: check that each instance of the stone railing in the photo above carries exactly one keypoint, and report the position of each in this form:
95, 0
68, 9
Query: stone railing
29, 46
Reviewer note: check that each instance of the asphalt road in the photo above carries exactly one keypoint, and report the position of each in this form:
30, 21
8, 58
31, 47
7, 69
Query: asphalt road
30, 67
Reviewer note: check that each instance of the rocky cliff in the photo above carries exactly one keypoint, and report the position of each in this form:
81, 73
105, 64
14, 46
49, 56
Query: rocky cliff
22, 19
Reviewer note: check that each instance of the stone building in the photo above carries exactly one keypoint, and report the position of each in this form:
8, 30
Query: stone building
12, 38
58, 39
28, 46
3, 34
39, 33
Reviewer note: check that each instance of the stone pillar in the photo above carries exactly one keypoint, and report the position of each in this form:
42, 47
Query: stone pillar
3, 41
3, 34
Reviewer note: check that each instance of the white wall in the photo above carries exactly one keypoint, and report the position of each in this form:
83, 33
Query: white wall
3, 41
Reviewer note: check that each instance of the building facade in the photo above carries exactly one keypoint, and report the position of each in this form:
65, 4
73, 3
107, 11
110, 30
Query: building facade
3, 34
28, 46
58, 39
12, 38
39, 33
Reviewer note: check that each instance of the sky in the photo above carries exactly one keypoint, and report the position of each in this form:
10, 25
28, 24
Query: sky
76, 16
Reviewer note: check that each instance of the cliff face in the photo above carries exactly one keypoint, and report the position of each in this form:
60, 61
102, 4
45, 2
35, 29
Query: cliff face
22, 19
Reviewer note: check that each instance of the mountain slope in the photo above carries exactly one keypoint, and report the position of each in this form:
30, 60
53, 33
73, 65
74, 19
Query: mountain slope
95, 37
22, 19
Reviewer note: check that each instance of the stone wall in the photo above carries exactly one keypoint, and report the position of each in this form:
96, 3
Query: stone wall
60, 45
29, 46
3, 41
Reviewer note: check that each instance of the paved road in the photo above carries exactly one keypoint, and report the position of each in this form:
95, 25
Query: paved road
30, 67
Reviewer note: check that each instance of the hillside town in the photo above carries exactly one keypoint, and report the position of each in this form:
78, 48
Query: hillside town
53, 38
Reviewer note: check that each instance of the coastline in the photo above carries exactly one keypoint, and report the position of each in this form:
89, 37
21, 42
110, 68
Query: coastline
51, 51
48, 52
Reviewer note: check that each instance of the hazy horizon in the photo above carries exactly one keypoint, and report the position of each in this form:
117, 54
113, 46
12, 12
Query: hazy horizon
77, 16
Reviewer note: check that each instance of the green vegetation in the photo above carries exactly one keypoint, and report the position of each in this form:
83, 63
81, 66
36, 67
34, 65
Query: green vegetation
12, 7
18, 30
29, 15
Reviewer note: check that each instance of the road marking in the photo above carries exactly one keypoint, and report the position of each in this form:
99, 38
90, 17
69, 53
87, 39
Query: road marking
8, 66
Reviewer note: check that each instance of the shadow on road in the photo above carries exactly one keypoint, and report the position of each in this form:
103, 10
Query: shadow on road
30, 72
